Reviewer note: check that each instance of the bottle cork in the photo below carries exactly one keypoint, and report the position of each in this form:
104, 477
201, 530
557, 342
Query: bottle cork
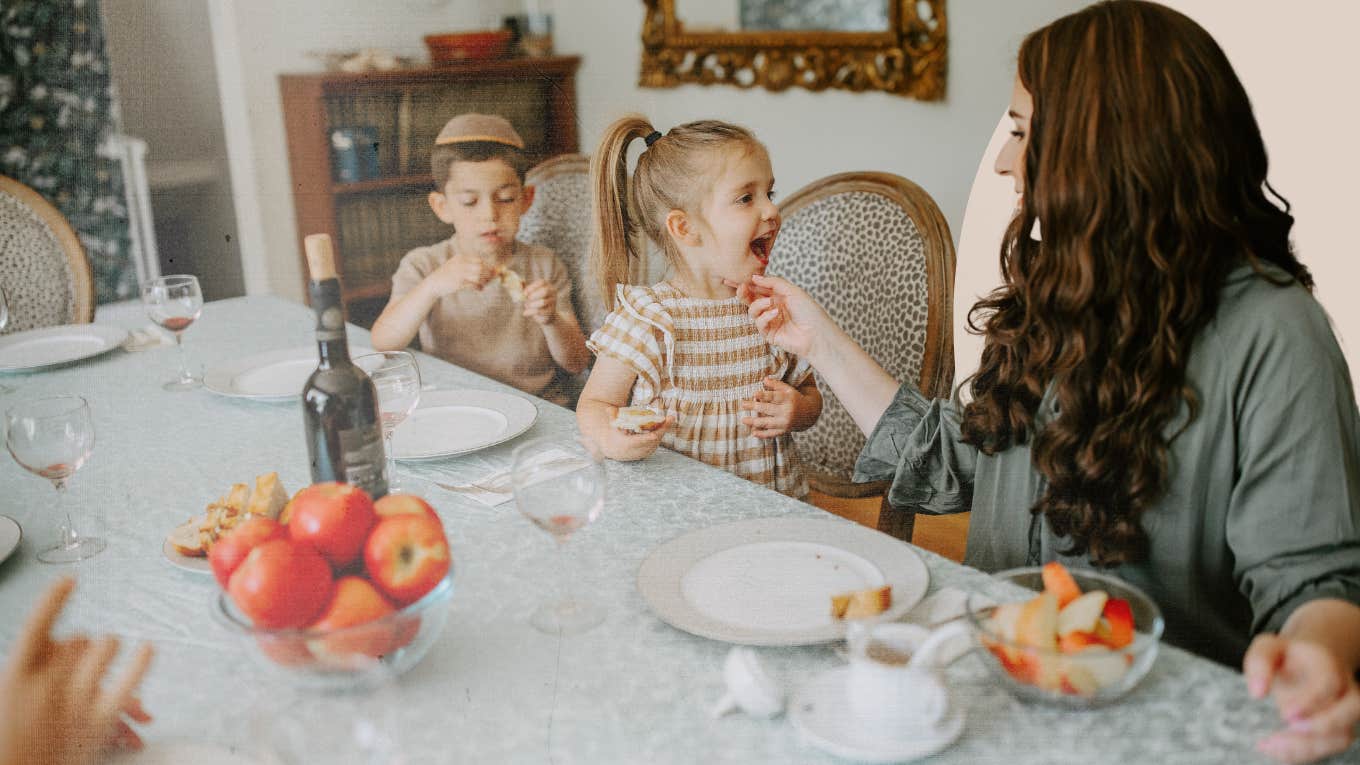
320, 256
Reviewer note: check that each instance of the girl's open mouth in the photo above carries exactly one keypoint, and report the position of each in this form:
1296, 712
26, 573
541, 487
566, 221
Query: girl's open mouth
760, 247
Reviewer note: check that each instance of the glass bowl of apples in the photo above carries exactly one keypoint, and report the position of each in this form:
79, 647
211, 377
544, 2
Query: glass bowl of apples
1079, 639
339, 593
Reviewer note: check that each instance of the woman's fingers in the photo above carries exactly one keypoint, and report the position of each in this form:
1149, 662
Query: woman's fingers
126, 684
93, 664
34, 639
1263, 659
133, 708
1335, 719
1300, 748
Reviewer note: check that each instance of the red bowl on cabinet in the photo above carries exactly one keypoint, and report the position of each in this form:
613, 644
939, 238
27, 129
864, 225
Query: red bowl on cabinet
467, 46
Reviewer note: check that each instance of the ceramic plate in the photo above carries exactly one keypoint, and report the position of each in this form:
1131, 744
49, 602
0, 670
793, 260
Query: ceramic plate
272, 376
769, 581
449, 422
49, 346
199, 565
822, 717
10, 536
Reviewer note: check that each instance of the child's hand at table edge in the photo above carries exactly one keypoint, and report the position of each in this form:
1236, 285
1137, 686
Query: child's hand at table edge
629, 447
779, 409
1316, 696
55, 708
540, 302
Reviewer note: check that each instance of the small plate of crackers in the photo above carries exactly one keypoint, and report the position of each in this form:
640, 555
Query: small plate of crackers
187, 545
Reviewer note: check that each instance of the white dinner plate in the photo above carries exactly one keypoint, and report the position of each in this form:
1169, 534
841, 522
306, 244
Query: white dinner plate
270, 376
49, 346
10, 536
198, 565
769, 581
822, 717
449, 422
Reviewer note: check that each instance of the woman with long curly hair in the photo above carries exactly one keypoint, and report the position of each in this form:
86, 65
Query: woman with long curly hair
1159, 393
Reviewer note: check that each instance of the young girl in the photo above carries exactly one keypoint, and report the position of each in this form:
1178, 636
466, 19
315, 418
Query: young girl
703, 194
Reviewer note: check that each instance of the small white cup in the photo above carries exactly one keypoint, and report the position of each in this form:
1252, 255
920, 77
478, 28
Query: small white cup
894, 683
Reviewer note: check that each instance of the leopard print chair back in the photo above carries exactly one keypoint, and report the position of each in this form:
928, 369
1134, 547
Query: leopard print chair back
560, 221
43, 268
875, 251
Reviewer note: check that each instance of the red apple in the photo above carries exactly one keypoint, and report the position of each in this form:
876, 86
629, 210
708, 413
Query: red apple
286, 648
335, 518
1119, 618
348, 617
400, 504
228, 552
281, 584
406, 556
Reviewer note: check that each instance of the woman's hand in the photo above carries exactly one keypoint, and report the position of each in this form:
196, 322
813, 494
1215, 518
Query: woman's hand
1317, 697
779, 409
786, 315
54, 706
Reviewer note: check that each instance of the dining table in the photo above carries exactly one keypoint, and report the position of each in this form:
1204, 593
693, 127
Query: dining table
492, 688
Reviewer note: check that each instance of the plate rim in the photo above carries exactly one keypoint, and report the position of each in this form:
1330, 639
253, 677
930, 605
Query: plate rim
111, 335
18, 538
174, 558
530, 411
664, 569
217, 379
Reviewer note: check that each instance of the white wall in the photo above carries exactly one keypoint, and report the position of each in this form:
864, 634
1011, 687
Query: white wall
1300, 86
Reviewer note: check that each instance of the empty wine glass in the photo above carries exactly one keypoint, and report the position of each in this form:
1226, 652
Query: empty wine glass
52, 438
396, 375
559, 485
4, 322
174, 302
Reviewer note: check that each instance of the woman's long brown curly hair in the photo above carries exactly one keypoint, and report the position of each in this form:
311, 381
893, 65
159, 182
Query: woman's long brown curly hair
1146, 170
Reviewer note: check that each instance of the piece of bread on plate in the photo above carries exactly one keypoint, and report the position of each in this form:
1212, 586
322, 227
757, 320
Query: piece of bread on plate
861, 604
268, 498
186, 540
638, 419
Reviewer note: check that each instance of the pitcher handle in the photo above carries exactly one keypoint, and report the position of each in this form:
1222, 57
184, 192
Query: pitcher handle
924, 657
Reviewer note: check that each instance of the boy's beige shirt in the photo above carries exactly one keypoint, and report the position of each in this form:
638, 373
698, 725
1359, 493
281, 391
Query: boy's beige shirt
485, 331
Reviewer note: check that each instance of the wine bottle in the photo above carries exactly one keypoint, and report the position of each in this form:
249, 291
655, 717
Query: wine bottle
339, 403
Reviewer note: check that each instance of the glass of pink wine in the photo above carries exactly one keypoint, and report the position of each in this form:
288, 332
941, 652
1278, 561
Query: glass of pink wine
174, 302
396, 375
560, 485
52, 438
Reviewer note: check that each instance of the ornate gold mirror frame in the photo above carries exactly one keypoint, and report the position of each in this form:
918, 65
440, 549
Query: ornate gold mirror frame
907, 59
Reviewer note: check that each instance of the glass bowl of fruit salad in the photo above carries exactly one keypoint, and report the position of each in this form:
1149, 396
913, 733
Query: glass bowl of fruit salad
1071, 638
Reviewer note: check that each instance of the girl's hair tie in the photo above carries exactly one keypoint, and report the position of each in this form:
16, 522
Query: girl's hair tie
652, 138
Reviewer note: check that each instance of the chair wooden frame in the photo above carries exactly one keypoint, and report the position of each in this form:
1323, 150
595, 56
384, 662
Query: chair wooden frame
82, 276
937, 362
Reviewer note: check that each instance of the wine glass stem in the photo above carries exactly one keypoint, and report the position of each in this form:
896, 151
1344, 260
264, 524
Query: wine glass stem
568, 602
183, 365
66, 531
391, 458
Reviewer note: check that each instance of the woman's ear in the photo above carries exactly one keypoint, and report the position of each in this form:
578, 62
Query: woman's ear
682, 229
440, 204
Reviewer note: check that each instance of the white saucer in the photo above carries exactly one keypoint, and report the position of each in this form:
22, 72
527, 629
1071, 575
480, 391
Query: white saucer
822, 717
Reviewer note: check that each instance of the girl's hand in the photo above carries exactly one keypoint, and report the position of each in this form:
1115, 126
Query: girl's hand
774, 410
460, 272
540, 302
629, 447
787, 316
1317, 697
55, 708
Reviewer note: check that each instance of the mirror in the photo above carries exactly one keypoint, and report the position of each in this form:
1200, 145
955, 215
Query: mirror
898, 46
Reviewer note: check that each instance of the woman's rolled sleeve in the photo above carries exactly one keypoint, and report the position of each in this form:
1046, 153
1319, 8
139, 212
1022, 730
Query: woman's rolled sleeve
917, 445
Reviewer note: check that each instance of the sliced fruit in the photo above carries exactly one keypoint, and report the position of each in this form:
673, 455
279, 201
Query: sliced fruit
1004, 619
1082, 614
1037, 625
1119, 616
1074, 642
1058, 581
1077, 679
1106, 666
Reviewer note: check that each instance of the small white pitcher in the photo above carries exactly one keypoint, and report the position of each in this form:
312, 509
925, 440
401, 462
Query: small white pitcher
894, 684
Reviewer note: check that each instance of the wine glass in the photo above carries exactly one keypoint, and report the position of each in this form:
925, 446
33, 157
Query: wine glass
174, 302
52, 438
559, 485
396, 375
4, 322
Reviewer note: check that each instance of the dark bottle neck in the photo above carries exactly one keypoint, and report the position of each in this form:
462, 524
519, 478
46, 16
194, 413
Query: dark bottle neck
331, 340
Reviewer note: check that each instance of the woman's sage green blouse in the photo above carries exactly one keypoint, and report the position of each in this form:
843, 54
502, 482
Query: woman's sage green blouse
1262, 509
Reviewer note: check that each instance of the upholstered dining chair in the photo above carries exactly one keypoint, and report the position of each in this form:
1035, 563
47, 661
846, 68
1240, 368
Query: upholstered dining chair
42, 264
875, 251
560, 221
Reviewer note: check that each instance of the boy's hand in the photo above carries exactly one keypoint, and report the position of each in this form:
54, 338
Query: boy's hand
460, 272
774, 411
628, 447
540, 302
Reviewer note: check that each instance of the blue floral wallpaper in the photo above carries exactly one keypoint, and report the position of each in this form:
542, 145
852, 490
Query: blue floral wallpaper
56, 109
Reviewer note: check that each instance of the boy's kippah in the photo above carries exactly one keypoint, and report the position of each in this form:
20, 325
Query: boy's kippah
486, 128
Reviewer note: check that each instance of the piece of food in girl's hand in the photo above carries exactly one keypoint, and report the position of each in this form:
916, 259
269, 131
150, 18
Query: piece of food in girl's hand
861, 604
638, 419
512, 282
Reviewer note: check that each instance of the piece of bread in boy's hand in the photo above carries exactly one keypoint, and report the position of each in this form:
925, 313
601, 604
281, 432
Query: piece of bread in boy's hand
638, 419
512, 282
861, 604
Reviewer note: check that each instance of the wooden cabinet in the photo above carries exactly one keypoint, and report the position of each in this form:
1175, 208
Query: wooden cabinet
375, 221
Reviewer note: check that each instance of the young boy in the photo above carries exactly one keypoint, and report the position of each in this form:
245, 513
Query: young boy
462, 294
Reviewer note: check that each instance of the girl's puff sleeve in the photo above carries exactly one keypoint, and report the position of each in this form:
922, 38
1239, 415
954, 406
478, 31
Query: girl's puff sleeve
641, 335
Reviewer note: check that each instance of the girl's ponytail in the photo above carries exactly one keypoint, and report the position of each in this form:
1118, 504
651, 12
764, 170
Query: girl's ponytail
614, 241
